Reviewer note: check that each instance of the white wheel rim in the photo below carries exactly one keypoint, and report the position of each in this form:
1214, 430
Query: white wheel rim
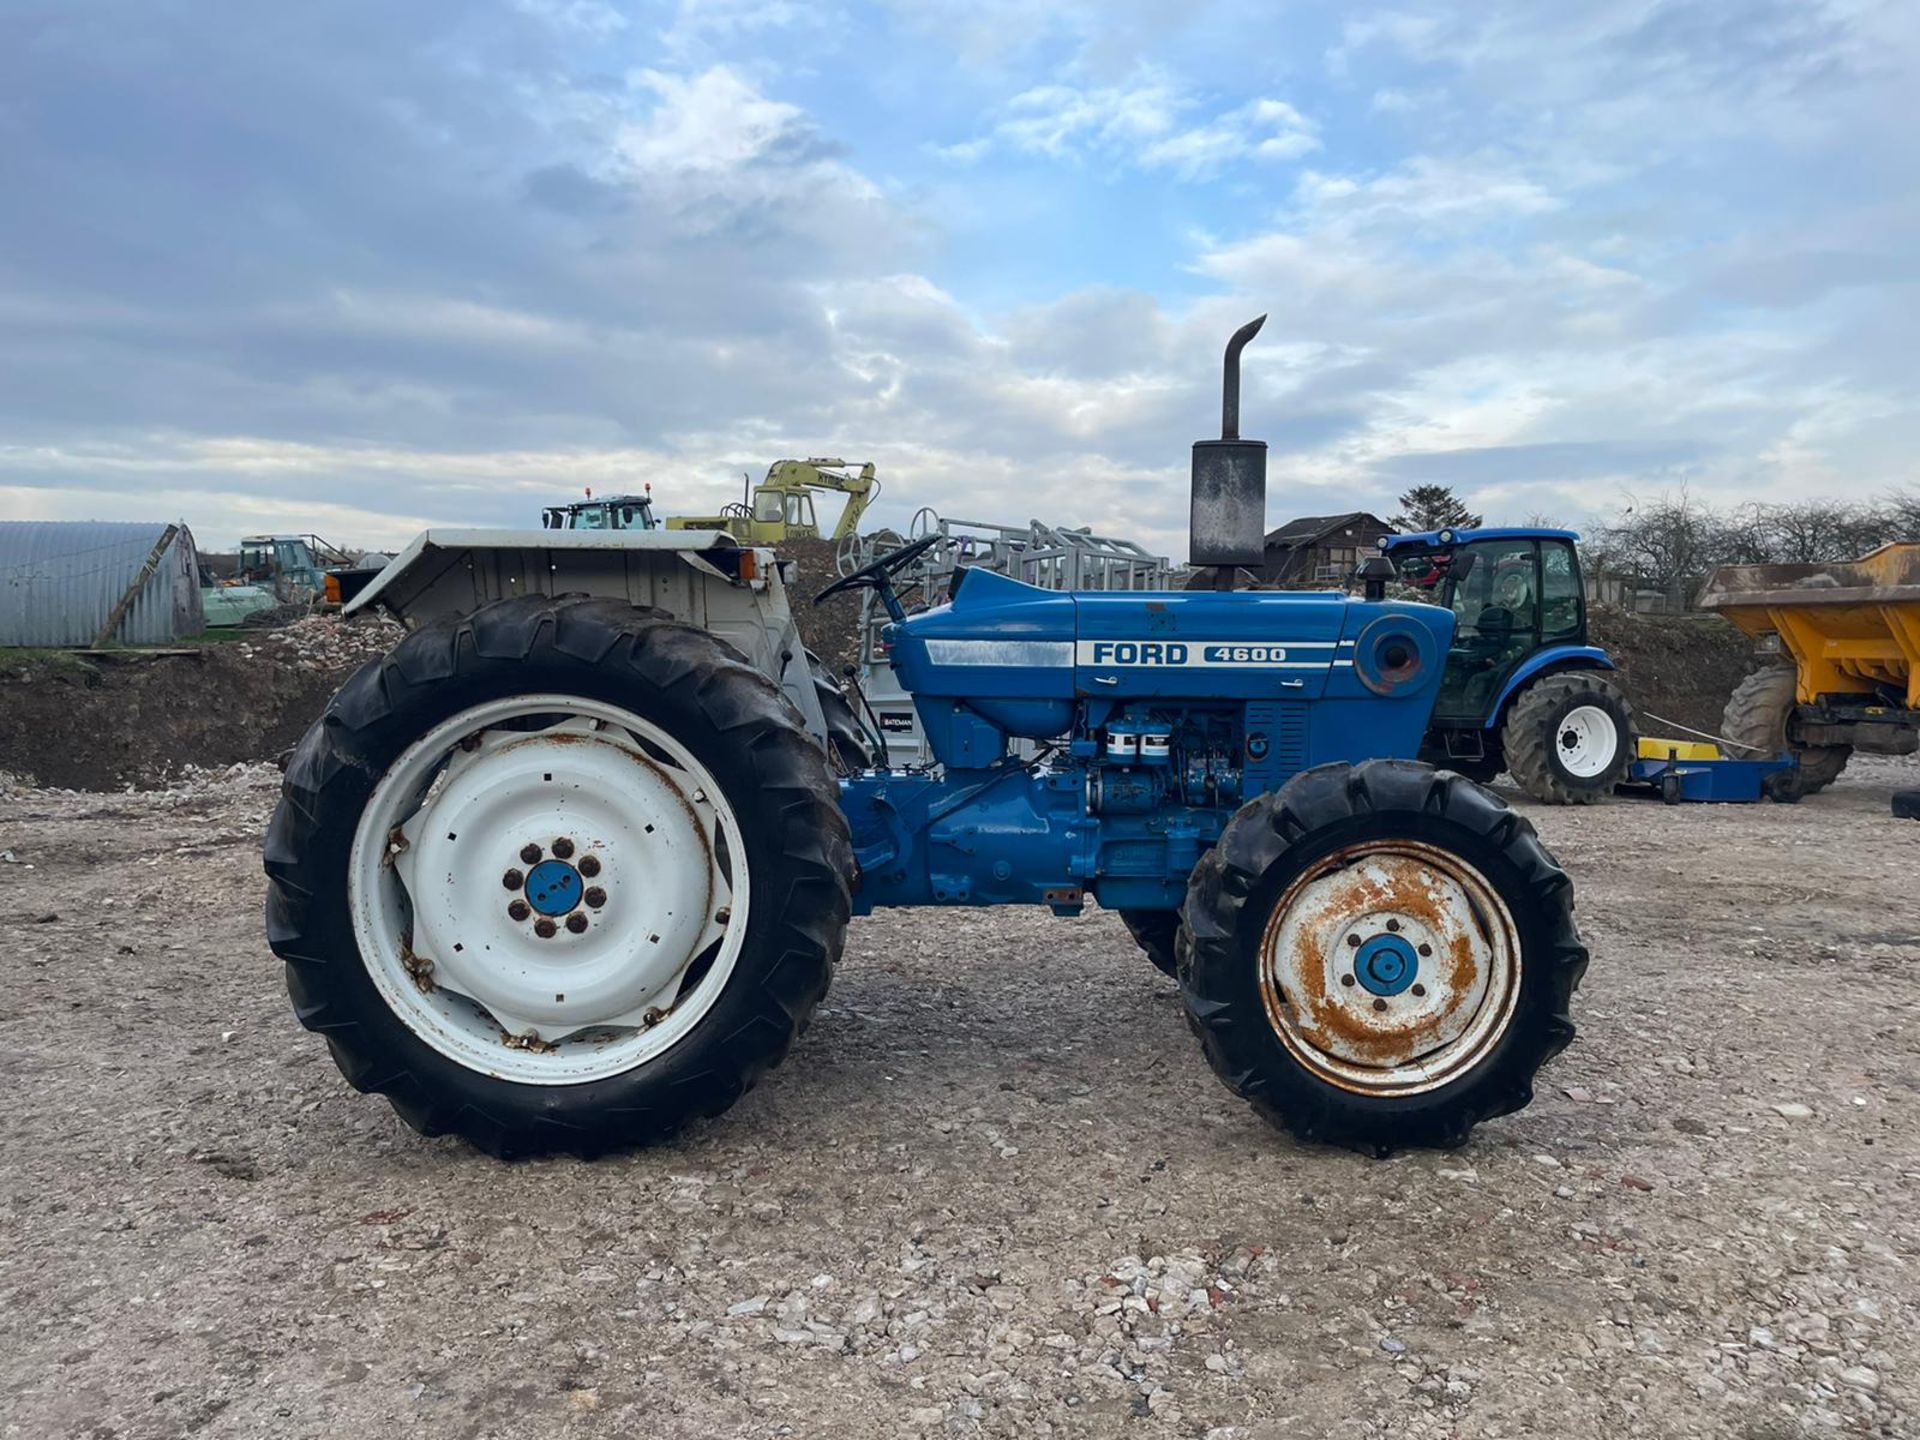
1586, 740
639, 876
1390, 968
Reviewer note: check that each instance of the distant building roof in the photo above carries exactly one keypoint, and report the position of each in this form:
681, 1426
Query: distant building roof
1309, 528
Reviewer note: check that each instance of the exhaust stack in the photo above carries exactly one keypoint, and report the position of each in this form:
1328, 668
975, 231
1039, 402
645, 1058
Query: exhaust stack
1228, 524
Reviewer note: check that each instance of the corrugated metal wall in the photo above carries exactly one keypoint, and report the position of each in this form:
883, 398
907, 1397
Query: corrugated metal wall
59, 580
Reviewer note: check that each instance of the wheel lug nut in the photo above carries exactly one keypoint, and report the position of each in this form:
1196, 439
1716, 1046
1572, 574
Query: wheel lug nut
1426, 950
1353, 942
563, 848
513, 879
589, 865
530, 854
1346, 979
1419, 990
544, 929
576, 922
723, 915
1379, 1005
518, 910
1393, 924
595, 896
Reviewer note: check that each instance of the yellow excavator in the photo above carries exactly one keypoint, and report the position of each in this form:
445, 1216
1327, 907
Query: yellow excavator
780, 507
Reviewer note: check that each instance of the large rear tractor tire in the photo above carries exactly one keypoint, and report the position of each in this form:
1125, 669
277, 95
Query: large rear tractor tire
1155, 932
557, 875
1760, 714
1568, 738
1380, 956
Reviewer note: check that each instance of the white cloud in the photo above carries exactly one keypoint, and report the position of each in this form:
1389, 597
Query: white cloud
1148, 123
710, 122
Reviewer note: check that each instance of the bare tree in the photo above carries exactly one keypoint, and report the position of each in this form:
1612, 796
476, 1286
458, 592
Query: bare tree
1674, 540
1902, 509
1810, 532
1659, 543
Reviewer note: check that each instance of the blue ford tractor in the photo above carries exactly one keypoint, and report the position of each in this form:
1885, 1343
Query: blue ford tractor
572, 864
1523, 691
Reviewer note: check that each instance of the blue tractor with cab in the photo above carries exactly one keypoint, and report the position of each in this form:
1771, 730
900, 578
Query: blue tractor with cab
575, 862
1524, 691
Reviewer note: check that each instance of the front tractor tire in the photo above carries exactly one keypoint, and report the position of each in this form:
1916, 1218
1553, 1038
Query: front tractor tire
1568, 738
1759, 716
557, 876
1380, 956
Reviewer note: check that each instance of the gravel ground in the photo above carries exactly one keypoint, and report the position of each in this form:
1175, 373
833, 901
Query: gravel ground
994, 1191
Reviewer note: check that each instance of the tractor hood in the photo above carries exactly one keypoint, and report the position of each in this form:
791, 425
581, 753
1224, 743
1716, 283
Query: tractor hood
1001, 638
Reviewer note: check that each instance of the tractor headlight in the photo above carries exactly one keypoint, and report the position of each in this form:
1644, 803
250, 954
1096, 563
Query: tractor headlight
1393, 654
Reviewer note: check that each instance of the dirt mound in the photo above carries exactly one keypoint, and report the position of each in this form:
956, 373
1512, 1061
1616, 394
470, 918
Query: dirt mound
87, 723
1679, 667
832, 630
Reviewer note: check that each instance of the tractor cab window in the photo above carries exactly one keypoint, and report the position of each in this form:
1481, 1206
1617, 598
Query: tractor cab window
591, 517
799, 510
256, 560
1493, 587
766, 507
1496, 594
1424, 570
1562, 602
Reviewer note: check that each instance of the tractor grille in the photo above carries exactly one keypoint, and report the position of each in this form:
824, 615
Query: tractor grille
1282, 726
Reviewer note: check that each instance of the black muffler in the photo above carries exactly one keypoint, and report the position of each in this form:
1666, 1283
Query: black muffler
1228, 525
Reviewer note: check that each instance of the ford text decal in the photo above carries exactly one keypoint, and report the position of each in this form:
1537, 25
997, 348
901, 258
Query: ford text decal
1308, 654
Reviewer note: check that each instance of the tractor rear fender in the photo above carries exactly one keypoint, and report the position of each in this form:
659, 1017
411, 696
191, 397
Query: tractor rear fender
1542, 662
701, 577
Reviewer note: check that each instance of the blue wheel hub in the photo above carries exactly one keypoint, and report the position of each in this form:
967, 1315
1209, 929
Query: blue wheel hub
1385, 965
554, 888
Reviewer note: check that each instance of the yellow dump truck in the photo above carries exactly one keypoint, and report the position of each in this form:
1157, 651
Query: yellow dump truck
1852, 632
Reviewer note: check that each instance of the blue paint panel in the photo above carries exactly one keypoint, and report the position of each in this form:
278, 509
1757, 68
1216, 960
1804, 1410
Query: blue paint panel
1239, 646
1000, 639
1554, 657
1426, 539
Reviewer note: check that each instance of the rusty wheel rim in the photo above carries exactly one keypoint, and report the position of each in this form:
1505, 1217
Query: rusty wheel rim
1390, 967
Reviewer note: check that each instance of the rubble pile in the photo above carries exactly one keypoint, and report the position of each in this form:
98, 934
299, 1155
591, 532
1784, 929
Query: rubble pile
325, 642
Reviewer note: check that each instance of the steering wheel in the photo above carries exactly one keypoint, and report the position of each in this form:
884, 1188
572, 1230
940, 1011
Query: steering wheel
878, 574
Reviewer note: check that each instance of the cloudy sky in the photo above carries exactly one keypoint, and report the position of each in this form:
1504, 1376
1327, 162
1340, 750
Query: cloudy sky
360, 266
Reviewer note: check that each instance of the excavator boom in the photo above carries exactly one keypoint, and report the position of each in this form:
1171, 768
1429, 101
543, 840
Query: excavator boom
781, 506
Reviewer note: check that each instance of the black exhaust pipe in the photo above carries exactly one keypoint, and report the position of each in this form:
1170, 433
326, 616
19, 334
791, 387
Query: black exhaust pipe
1228, 523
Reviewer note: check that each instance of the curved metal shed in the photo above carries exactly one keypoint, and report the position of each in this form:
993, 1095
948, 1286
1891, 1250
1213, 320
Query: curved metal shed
60, 581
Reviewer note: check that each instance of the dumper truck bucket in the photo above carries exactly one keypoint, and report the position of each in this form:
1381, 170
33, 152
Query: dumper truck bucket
1852, 627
